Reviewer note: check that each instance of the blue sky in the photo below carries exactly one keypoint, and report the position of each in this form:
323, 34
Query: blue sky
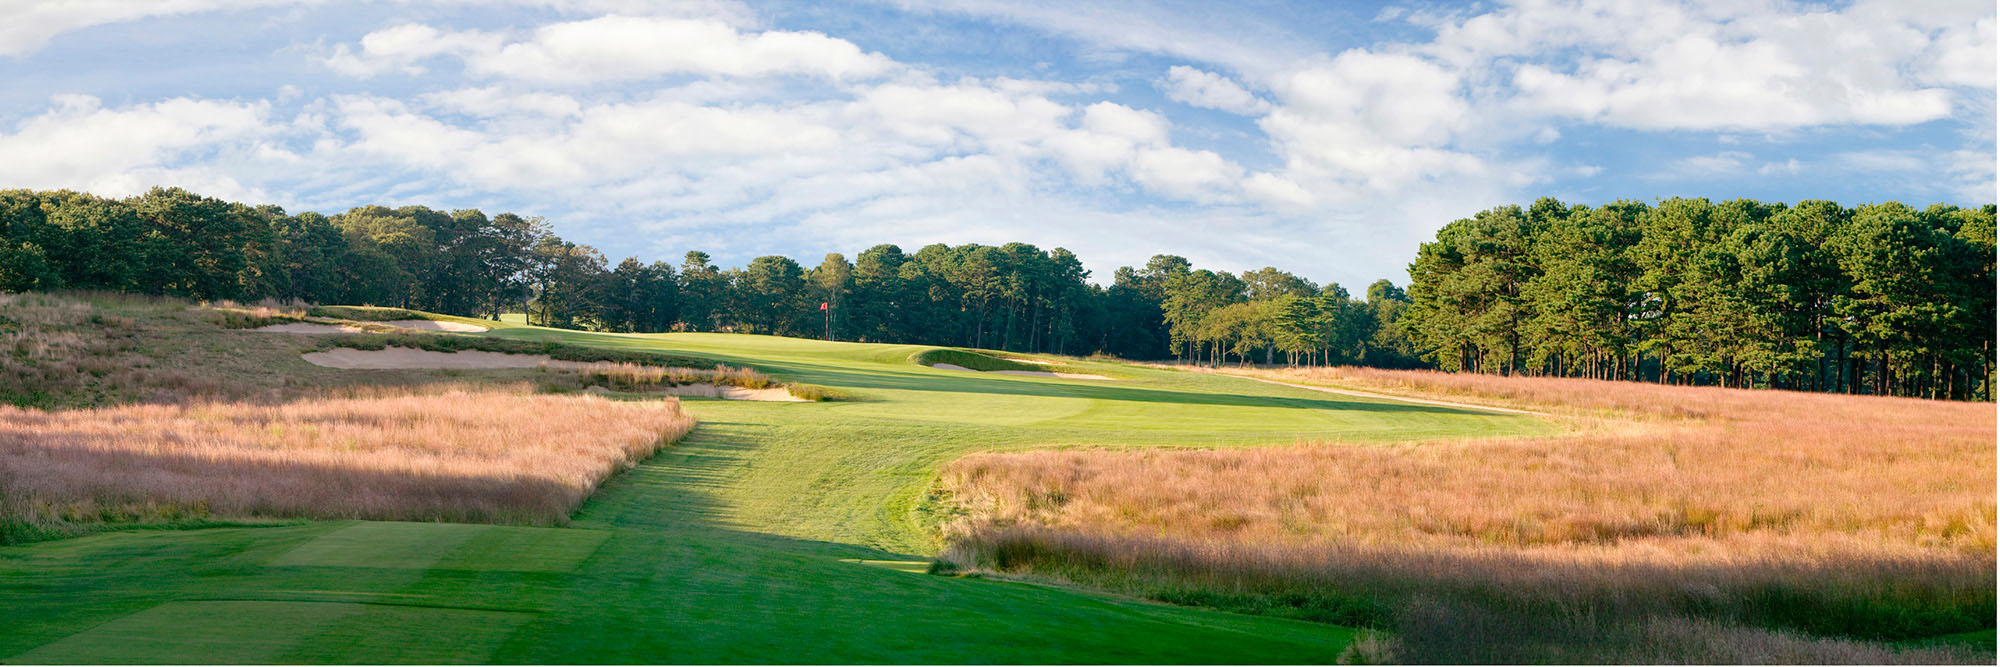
1328, 139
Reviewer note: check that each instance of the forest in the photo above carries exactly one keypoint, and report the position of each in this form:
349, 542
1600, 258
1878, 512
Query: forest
1880, 299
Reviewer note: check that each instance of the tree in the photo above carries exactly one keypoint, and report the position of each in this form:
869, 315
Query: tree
772, 296
193, 245
704, 291
832, 281
566, 283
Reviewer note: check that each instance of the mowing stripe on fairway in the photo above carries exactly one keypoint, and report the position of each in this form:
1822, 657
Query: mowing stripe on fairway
447, 546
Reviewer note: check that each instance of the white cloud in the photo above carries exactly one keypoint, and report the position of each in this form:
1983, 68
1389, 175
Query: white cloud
1789, 166
80, 144
1364, 118
1186, 174
26, 26
1728, 66
613, 48
1719, 164
493, 101
1194, 87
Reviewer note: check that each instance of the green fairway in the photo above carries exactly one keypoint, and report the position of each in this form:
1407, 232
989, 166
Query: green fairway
776, 532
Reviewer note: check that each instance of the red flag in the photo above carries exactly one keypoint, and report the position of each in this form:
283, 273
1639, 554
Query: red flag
822, 305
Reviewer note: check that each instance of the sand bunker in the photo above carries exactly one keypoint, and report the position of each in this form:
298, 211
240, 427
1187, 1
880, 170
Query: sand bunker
435, 325
1039, 374
317, 328
309, 328
1036, 362
773, 394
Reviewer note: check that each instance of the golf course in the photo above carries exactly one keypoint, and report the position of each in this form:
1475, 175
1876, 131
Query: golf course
774, 532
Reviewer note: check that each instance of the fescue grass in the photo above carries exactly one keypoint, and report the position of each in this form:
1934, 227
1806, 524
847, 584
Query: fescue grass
232, 315
469, 456
1854, 517
57, 351
626, 376
368, 313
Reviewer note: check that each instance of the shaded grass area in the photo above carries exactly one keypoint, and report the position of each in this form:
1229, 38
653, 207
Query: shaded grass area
451, 342
970, 359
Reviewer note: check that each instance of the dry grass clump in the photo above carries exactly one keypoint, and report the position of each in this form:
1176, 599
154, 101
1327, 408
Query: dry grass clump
233, 315
457, 455
631, 377
1830, 515
626, 376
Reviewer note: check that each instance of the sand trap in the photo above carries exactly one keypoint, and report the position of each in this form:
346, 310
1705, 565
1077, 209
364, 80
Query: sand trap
435, 325
308, 328
1036, 362
317, 328
772, 394
1039, 374
404, 357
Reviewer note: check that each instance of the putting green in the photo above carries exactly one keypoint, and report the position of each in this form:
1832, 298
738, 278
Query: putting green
773, 533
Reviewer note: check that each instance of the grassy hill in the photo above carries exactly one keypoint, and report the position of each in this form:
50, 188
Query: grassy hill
775, 532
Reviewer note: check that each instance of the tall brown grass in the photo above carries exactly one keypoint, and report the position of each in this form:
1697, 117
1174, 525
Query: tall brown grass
62, 351
627, 375
1830, 515
480, 455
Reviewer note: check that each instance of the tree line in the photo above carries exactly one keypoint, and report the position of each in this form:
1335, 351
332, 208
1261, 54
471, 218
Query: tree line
1879, 299
1013, 297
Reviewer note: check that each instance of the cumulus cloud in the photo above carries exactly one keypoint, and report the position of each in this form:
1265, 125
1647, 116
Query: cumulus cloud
612, 48
1724, 66
1372, 119
26, 26
1194, 87
79, 143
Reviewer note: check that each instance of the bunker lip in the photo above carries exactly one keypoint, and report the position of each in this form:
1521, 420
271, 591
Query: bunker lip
1041, 374
391, 358
322, 328
435, 325
309, 328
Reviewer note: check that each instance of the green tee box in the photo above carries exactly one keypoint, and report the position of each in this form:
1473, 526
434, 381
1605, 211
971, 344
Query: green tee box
447, 546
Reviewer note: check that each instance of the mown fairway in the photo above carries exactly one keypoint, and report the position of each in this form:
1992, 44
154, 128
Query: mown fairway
755, 540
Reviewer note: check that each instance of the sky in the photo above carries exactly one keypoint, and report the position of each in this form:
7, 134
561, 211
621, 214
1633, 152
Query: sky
1328, 139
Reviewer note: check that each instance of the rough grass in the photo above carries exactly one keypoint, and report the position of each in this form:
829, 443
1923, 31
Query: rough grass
459, 455
631, 377
1670, 507
57, 351
368, 313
